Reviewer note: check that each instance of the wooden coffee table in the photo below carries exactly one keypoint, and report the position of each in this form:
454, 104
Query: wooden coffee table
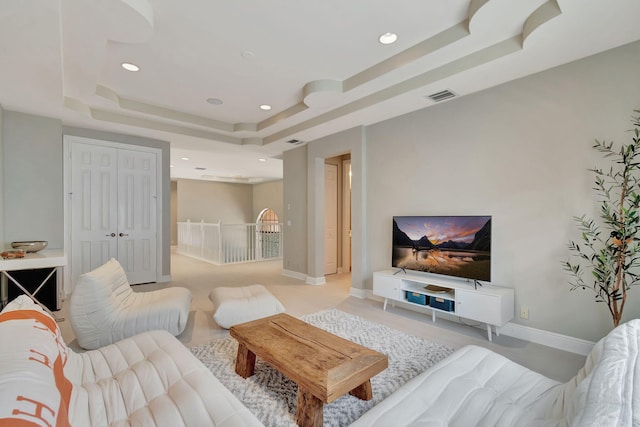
323, 365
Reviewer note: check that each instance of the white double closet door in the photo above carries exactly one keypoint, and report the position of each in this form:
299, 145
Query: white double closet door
113, 210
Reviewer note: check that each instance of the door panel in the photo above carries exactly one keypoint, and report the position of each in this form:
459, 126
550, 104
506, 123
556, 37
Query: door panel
93, 211
113, 210
137, 215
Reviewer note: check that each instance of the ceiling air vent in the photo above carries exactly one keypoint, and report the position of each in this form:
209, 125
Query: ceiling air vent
441, 96
294, 142
201, 169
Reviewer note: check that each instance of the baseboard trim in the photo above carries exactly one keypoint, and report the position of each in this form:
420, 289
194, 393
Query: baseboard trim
316, 280
359, 293
526, 333
550, 339
307, 279
294, 274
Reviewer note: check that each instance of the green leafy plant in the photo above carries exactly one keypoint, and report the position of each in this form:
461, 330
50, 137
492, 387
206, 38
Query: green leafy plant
608, 252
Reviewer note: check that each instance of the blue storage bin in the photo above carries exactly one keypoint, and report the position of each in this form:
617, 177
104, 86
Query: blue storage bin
442, 304
417, 298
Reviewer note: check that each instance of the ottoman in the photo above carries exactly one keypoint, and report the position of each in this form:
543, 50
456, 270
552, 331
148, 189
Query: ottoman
232, 306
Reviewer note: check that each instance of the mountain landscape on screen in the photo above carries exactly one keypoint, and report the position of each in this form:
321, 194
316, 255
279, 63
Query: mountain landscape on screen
457, 246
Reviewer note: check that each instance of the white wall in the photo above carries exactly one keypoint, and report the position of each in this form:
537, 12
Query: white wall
519, 152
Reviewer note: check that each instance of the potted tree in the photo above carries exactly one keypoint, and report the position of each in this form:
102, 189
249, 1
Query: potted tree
607, 257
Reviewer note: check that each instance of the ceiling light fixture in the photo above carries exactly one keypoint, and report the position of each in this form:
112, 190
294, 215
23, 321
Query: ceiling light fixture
262, 159
184, 158
129, 66
172, 166
214, 101
265, 107
388, 38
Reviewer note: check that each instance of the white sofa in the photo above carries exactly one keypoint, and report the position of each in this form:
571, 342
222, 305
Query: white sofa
477, 387
150, 379
104, 309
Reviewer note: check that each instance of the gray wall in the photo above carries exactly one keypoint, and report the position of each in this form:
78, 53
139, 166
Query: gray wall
214, 201
519, 152
230, 203
267, 195
33, 193
294, 188
174, 212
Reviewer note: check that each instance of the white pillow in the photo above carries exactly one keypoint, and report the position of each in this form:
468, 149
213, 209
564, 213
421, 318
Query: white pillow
238, 305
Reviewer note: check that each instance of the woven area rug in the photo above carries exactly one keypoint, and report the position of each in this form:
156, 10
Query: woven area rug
272, 397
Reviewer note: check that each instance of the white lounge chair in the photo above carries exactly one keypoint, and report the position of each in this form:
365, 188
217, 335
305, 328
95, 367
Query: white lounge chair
104, 309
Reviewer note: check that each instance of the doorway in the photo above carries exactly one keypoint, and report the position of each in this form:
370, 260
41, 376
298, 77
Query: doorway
337, 215
269, 232
113, 209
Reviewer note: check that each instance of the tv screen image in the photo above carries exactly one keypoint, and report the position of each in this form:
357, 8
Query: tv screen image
457, 246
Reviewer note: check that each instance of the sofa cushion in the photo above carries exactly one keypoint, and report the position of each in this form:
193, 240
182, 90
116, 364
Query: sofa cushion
150, 379
472, 387
475, 386
34, 390
603, 392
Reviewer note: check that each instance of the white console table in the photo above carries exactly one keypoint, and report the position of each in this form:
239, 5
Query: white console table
488, 304
47, 258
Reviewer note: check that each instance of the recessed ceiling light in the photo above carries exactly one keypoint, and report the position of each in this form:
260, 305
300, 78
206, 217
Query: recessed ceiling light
265, 107
262, 159
184, 158
172, 166
388, 38
214, 101
129, 66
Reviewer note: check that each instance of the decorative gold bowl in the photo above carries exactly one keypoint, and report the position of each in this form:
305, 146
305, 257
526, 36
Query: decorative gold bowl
30, 245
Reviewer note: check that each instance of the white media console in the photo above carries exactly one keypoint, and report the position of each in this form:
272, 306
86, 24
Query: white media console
488, 304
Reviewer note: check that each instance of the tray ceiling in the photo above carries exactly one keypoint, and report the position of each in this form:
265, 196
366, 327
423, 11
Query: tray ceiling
318, 65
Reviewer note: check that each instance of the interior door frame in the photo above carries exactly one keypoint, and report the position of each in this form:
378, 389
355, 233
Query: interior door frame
334, 203
67, 140
346, 216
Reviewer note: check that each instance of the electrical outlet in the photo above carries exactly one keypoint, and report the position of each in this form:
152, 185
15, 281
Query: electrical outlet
524, 312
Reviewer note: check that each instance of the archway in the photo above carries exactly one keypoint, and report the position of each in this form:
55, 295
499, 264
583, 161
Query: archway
268, 234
